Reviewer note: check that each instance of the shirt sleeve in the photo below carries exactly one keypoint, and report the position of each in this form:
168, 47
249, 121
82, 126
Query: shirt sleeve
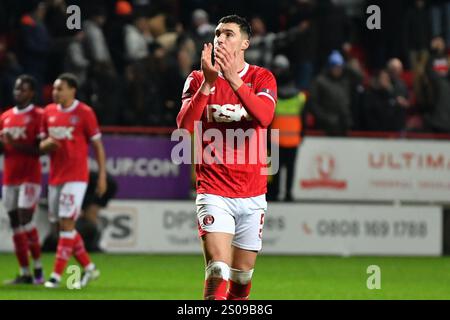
261, 103
43, 126
266, 86
91, 128
193, 103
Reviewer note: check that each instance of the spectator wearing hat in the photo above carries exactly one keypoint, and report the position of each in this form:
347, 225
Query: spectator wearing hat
330, 98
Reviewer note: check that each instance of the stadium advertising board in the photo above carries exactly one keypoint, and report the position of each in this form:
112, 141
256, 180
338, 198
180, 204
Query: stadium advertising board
372, 169
141, 166
171, 227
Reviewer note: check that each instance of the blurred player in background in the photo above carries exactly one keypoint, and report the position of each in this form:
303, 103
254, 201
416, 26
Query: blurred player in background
68, 127
22, 176
231, 203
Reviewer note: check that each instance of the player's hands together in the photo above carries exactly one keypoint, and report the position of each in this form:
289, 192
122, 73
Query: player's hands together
48, 145
101, 185
210, 71
227, 61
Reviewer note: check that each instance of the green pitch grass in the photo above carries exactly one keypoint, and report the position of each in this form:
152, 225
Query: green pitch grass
276, 277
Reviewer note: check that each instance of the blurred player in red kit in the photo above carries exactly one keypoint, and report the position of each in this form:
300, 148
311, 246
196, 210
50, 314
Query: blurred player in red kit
68, 127
231, 201
22, 176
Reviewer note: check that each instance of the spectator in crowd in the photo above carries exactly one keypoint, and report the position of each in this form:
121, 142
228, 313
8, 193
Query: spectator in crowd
103, 92
76, 61
35, 45
261, 47
303, 43
383, 109
400, 89
137, 39
203, 31
417, 34
330, 99
288, 121
437, 118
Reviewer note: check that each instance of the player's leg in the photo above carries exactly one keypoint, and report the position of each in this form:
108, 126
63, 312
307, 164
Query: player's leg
66, 238
70, 242
10, 201
217, 253
78, 190
28, 199
246, 245
241, 272
216, 228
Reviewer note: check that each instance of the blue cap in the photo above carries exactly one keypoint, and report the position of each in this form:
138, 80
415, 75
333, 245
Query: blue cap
335, 59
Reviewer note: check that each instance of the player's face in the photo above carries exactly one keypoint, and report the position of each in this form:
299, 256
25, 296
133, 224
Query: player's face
22, 93
229, 34
62, 93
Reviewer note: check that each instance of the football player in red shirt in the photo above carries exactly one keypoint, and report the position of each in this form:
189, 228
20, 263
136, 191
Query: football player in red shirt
231, 203
69, 126
22, 176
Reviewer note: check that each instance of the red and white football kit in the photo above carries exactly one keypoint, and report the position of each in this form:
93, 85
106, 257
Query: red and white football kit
231, 196
73, 128
22, 171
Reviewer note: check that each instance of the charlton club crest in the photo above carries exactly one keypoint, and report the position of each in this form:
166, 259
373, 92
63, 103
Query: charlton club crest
208, 220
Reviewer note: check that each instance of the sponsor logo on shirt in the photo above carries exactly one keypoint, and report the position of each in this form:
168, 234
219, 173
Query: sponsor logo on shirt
227, 113
16, 132
61, 133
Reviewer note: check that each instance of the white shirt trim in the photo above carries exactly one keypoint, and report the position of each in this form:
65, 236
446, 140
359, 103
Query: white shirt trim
266, 95
96, 136
72, 107
241, 74
16, 110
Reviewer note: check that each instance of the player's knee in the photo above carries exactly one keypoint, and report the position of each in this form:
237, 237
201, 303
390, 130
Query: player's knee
217, 269
26, 216
14, 219
66, 224
241, 276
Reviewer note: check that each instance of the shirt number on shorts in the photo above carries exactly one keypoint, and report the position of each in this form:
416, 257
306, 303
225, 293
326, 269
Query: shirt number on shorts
30, 192
261, 224
67, 200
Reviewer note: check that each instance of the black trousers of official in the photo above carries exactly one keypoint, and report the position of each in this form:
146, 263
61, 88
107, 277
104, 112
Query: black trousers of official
287, 160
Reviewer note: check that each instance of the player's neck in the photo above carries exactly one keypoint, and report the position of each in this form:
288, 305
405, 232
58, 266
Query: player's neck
67, 103
241, 64
23, 106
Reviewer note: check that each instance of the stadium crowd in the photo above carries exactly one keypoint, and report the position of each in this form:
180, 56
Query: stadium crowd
132, 57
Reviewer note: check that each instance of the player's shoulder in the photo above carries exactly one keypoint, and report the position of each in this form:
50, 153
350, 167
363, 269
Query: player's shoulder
84, 108
38, 110
7, 113
50, 107
259, 71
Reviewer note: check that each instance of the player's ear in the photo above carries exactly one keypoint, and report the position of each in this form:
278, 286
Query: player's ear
245, 44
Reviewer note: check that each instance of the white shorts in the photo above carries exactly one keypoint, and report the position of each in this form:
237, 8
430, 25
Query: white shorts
65, 200
23, 196
242, 217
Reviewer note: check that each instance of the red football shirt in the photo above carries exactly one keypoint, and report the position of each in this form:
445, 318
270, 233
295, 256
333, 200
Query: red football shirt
223, 111
73, 128
23, 126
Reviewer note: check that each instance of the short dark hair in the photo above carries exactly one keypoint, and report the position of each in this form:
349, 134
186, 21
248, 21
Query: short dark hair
30, 80
70, 79
243, 24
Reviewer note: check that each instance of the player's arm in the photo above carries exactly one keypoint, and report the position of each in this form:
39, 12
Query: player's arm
48, 145
100, 156
192, 109
261, 106
21, 147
